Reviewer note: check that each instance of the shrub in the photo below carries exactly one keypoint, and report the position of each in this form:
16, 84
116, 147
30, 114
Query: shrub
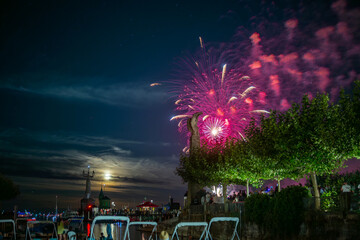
329, 200
282, 215
287, 211
256, 208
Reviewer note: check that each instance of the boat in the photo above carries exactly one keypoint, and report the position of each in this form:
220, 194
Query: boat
76, 223
70, 214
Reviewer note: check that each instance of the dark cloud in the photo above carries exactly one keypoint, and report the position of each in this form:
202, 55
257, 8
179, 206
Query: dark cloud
138, 180
122, 95
40, 169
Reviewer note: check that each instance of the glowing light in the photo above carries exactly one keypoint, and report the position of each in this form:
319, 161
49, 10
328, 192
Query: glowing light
223, 74
255, 65
107, 176
262, 96
205, 117
269, 59
178, 101
186, 150
232, 99
155, 84
180, 116
260, 111
249, 101
255, 38
179, 124
215, 130
275, 84
220, 112
247, 91
242, 136
201, 42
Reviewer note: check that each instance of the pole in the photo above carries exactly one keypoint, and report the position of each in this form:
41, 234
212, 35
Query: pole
247, 188
56, 206
279, 186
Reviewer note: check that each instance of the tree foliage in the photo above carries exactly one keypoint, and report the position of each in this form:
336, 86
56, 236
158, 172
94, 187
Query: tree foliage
8, 190
231, 163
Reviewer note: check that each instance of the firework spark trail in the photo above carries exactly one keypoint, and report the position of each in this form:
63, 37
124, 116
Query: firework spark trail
180, 116
155, 84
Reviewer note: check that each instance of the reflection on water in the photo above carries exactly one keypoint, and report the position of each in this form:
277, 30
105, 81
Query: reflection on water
116, 231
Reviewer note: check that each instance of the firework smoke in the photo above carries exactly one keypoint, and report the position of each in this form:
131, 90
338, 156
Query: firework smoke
301, 58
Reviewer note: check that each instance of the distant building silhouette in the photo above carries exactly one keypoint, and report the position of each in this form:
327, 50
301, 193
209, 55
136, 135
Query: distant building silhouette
171, 205
104, 201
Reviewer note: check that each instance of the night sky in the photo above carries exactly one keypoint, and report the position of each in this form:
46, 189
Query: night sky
74, 90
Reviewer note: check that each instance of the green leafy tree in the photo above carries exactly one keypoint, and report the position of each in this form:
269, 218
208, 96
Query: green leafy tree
243, 166
323, 138
269, 143
309, 138
349, 121
231, 163
203, 167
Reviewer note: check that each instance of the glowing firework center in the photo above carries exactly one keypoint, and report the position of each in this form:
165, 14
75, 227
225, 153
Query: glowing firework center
215, 129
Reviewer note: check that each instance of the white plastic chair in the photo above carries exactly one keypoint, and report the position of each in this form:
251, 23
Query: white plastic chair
224, 219
191, 224
154, 230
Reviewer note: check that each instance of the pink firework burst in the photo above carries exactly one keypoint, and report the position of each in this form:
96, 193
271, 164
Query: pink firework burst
215, 129
227, 98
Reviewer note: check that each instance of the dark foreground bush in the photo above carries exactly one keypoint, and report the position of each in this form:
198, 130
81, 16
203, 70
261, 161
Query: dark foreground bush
287, 211
256, 208
280, 216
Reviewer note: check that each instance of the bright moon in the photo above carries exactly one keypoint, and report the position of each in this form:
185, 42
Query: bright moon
107, 176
